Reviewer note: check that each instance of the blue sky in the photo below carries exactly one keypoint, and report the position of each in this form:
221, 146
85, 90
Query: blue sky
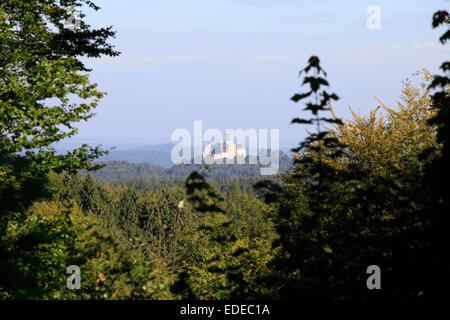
234, 63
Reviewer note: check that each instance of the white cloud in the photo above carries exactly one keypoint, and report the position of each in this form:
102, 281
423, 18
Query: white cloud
426, 45
125, 60
373, 47
421, 46
269, 58
400, 48
264, 2
280, 3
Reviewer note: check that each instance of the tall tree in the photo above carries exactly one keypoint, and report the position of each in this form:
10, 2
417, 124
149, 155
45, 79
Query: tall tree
438, 175
44, 92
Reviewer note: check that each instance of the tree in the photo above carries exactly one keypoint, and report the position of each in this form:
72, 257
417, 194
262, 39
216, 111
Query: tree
389, 136
357, 201
225, 258
436, 182
110, 268
44, 91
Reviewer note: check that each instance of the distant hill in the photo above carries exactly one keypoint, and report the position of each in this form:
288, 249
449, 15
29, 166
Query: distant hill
155, 154
127, 169
158, 147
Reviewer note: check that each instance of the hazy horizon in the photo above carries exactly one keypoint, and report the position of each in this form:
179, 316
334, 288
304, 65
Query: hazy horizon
234, 64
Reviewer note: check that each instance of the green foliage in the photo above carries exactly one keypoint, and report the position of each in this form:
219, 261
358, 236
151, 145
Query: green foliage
371, 190
55, 236
41, 77
231, 246
375, 193
116, 170
308, 195
437, 175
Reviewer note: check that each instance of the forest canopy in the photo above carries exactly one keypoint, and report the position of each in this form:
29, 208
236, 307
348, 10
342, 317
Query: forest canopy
369, 190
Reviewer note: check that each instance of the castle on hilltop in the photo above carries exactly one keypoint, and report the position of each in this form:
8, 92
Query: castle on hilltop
225, 150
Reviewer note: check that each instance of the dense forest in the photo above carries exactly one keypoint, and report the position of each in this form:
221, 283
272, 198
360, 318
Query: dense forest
124, 169
369, 190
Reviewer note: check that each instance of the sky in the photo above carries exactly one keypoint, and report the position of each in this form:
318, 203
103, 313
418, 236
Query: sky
234, 63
